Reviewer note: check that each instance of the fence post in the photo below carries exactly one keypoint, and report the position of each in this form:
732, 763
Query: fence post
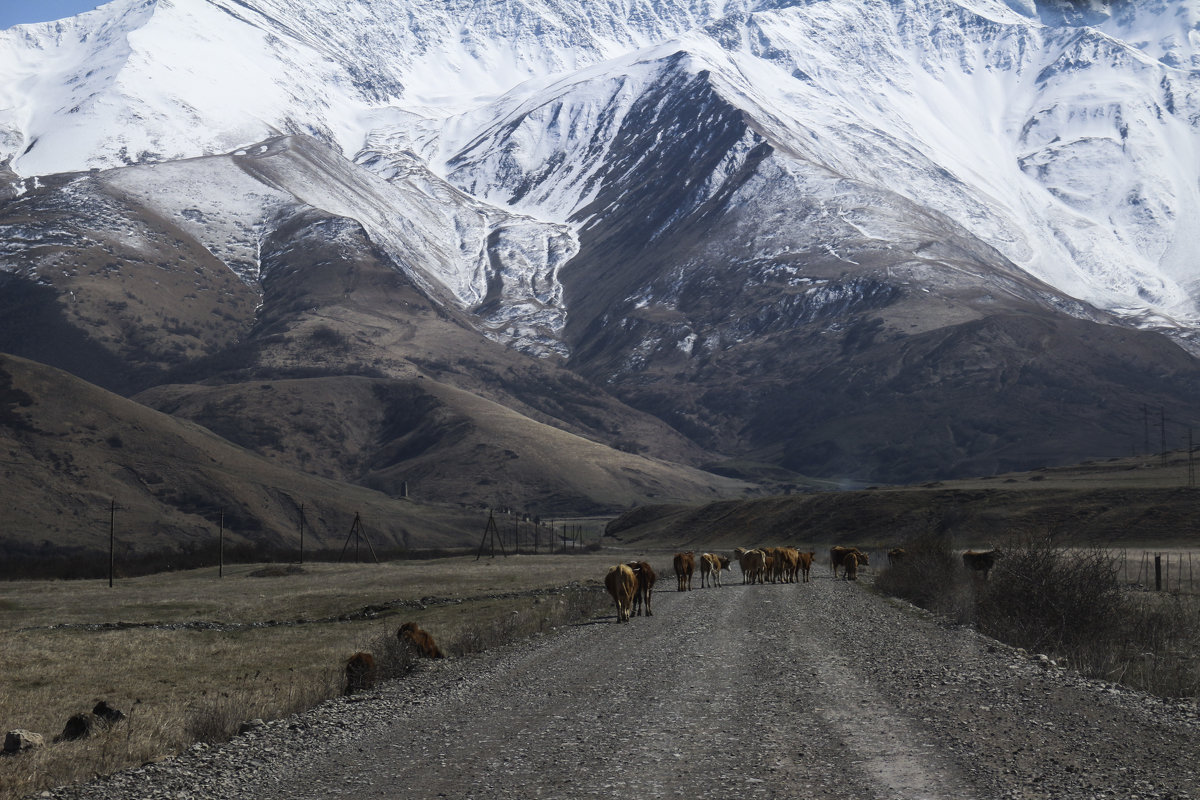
1157, 573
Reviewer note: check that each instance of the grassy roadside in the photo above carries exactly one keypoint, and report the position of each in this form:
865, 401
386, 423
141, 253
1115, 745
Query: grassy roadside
276, 646
1069, 603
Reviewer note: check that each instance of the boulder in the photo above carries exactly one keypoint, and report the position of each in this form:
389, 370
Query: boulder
19, 741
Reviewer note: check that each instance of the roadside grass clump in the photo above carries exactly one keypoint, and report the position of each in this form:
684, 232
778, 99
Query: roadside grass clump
217, 716
1064, 602
547, 612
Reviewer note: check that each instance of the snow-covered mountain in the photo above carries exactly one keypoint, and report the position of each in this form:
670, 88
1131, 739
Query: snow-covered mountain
757, 220
1064, 136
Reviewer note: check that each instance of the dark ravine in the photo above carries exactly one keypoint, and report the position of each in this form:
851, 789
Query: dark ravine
740, 691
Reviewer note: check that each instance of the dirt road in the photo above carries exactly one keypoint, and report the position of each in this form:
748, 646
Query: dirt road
805, 690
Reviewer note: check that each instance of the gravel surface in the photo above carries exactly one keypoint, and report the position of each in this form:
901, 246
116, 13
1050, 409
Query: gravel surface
804, 690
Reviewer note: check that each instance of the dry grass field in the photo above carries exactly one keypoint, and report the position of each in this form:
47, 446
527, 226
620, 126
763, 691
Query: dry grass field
276, 645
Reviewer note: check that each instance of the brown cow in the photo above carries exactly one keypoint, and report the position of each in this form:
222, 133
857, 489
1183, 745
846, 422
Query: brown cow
685, 566
895, 556
789, 558
645, 588
981, 560
838, 553
806, 562
360, 672
622, 584
754, 566
850, 566
421, 641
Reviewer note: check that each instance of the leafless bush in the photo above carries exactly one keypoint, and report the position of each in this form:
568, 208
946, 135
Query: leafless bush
1048, 598
930, 576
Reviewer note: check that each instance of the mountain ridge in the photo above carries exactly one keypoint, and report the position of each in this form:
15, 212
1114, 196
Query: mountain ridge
876, 241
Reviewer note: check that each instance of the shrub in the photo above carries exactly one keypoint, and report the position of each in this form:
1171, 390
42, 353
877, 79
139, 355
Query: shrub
931, 577
1047, 598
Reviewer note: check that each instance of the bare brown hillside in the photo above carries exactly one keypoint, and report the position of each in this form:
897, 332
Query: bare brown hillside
70, 449
1142, 500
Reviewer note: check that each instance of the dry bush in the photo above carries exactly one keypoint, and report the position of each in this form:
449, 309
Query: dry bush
1048, 598
930, 576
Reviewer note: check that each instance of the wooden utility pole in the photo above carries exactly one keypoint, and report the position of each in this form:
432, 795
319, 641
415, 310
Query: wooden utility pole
490, 531
221, 547
112, 539
1191, 465
357, 532
302, 533
1162, 426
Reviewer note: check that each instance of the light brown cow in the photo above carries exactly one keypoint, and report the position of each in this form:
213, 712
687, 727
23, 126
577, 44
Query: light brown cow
419, 639
645, 588
622, 584
806, 562
360, 672
685, 566
838, 553
711, 565
754, 566
789, 558
739, 554
850, 566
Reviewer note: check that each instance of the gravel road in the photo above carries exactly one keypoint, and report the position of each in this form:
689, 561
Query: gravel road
805, 690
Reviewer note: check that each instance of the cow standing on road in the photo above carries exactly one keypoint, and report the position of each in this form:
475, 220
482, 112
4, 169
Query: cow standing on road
837, 555
685, 566
622, 585
645, 586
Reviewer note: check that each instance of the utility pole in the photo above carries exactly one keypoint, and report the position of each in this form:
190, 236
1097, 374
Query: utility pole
492, 532
112, 539
1162, 425
357, 532
302, 533
1191, 463
221, 547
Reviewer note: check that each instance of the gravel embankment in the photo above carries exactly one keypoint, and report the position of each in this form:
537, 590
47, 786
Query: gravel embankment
805, 690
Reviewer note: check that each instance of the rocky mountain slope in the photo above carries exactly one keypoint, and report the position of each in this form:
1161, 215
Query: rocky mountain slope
881, 240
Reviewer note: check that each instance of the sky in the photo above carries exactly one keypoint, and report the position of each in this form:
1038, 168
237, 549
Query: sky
15, 12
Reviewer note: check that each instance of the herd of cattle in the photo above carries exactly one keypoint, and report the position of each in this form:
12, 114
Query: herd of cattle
631, 585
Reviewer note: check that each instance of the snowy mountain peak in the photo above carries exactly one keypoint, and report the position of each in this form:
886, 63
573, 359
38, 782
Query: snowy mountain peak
1066, 135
